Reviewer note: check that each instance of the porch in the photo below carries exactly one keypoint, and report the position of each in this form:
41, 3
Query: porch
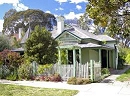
84, 60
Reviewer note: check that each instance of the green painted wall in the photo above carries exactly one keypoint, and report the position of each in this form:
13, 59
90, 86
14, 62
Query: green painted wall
110, 58
85, 55
90, 54
94, 55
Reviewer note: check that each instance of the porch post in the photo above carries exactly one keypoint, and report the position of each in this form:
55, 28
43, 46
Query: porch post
80, 56
59, 56
99, 55
80, 62
74, 63
107, 58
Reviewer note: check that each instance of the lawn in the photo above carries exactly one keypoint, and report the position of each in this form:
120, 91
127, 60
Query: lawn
16, 90
125, 76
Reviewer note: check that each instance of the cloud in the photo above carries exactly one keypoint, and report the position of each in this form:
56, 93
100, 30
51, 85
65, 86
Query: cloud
78, 1
16, 4
1, 25
20, 6
61, 1
78, 7
9, 1
59, 8
72, 15
48, 12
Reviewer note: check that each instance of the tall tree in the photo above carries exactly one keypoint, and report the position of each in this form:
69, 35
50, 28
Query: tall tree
14, 20
86, 23
41, 47
112, 14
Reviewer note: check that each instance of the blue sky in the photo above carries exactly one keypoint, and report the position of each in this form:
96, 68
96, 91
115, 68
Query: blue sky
68, 8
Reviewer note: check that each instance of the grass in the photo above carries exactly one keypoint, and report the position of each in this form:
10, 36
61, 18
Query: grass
125, 76
17, 90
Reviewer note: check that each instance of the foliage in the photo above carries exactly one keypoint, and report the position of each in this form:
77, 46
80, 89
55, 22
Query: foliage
78, 81
25, 71
63, 57
123, 55
9, 58
55, 78
128, 58
17, 90
124, 77
43, 68
105, 71
112, 14
9, 13
102, 10
10, 61
15, 43
41, 47
14, 20
12, 77
4, 43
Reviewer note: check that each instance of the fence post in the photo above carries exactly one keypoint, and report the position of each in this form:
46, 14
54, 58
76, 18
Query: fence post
91, 70
59, 60
34, 66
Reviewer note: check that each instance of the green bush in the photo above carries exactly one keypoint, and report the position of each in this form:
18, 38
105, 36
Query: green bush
128, 58
78, 81
44, 68
12, 77
105, 71
123, 55
25, 71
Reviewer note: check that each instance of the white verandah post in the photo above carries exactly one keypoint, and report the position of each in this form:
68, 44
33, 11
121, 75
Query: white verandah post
100, 56
74, 63
80, 62
107, 59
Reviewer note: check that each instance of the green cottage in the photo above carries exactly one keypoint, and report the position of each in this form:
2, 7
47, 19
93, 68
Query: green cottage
84, 53
83, 47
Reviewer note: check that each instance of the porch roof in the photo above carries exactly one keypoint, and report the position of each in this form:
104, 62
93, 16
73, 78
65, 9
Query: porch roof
88, 45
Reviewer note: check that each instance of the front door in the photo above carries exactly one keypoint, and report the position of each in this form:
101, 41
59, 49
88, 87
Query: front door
70, 56
104, 58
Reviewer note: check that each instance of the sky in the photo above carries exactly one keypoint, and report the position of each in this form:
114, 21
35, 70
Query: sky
70, 9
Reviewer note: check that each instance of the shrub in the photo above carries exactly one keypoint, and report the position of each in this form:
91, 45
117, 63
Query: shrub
78, 81
44, 68
128, 58
72, 80
12, 77
56, 78
53, 78
40, 78
123, 53
25, 71
105, 71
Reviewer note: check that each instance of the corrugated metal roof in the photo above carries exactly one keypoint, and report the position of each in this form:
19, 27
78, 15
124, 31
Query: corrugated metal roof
104, 38
75, 30
83, 34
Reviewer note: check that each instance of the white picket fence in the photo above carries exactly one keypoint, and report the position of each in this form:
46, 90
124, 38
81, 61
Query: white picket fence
88, 70
66, 71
